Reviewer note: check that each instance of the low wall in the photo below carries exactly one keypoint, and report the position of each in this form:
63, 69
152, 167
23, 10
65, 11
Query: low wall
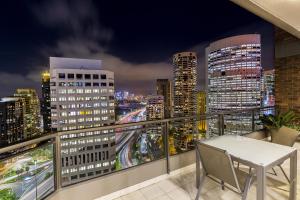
95, 188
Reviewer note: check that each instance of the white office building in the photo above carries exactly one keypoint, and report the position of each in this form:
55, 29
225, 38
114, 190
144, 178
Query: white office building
82, 96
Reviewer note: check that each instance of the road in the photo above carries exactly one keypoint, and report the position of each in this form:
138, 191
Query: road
125, 139
32, 168
124, 156
135, 116
122, 136
26, 189
42, 190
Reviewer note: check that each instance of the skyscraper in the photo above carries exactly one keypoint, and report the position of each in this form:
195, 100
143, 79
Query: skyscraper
268, 87
234, 80
164, 88
155, 107
32, 115
201, 110
185, 64
11, 120
46, 103
82, 96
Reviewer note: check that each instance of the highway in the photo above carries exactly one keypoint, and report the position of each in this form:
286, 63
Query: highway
135, 116
26, 188
43, 188
123, 136
124, 156
125, 139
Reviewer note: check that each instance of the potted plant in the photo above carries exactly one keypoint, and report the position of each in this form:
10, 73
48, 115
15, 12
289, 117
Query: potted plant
272, 123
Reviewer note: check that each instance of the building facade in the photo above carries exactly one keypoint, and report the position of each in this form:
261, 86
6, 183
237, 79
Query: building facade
234, 80
46, 102
185, 65
268, 88
82, 96
164, 88
32, 114
201, 110
11, 120
155, 107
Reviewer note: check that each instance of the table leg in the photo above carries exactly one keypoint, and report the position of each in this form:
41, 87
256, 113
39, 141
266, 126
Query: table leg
261, 183
293, 176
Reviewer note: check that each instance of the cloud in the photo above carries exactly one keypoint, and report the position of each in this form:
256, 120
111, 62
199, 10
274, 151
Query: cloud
78, 18
136, 77
10, 82
80, 34
87, 38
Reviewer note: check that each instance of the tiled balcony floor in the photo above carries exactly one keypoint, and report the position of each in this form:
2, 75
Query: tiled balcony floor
182, 187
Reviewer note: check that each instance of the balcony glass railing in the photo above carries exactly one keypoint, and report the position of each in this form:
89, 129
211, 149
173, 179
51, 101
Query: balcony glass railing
36, 168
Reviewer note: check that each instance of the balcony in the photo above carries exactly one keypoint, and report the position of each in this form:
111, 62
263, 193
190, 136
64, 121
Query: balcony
164, 168
181, 186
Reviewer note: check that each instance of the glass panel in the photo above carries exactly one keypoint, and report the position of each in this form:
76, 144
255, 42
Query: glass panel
88, 154
28, 175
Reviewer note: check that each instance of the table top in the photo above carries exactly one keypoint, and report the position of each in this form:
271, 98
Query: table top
258, 152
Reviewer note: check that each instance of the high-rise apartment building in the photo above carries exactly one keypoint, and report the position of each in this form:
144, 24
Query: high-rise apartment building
164, 88
155, 107
82, 96
46, 102
234, 80
185, 64
32, 114
11, 120
201, 110
268, 88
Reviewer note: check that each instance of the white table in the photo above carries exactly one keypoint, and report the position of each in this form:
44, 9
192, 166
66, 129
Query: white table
257, 154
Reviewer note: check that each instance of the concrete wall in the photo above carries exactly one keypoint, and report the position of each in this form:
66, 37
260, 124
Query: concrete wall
95, 188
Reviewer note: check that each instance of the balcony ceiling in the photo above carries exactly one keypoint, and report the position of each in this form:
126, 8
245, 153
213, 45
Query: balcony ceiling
282, 13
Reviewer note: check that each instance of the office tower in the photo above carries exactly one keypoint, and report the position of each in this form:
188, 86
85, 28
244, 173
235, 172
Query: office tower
201, 110
234, 80
46, 103
268, 88
164, 88
32, 124
155, 107
185, 64
11, 120
82, 96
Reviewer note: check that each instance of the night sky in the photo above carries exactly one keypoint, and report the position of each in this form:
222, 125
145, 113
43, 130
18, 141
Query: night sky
135, 39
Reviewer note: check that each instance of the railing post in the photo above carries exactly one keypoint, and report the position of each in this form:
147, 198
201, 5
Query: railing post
58, 162
221, 124
166, 144
197, 166
253, 121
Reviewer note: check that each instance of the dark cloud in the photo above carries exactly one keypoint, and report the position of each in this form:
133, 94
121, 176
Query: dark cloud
87, 38
78, 18
74, 28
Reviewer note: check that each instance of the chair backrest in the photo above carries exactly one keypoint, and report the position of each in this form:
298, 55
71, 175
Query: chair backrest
285, 136
217, 162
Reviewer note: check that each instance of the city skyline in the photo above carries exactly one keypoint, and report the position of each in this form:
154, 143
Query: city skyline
118, 49
134, 99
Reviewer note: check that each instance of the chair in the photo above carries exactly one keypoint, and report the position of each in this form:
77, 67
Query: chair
284, 136
217, 165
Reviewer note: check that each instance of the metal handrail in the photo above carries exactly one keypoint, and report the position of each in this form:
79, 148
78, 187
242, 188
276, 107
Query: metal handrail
56, 136
115, 126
